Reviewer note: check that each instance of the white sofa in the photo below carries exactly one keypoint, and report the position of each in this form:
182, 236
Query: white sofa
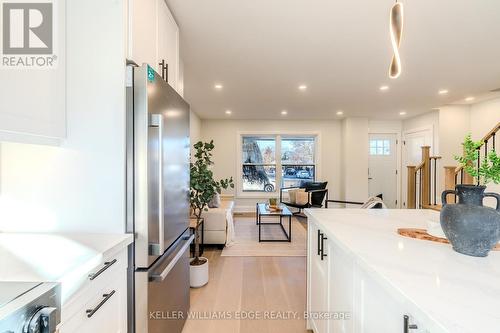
215, 224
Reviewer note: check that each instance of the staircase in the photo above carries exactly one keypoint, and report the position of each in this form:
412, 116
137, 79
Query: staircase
422, 190
422, 182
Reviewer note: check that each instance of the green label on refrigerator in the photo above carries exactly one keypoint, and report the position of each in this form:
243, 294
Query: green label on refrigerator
151, 74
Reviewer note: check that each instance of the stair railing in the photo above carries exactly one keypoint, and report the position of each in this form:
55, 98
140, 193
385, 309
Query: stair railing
422, 182
457, 175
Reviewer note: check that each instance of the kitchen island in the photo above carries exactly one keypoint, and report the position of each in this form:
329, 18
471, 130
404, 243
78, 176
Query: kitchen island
364, 277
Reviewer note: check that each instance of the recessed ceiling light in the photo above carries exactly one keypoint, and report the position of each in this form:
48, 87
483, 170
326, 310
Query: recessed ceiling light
443, 91
218, 86
470, 99
384, 88
228, 112
340, 112
302, 87
402, 113
284, 112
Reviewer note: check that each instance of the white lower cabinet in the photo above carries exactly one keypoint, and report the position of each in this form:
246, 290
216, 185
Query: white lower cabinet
341, 290
343, 296
377, 311
101, 304
318, 280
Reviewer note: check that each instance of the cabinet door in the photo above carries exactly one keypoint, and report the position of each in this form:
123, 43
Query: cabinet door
318, 283
341, 290
377, 309
144, 32
168, 43
32, 92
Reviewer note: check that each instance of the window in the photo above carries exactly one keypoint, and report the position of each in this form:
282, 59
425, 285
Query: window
262, 156
259, 164
297, 161
380, 147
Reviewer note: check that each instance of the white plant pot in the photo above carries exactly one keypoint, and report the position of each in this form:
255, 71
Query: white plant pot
198, 275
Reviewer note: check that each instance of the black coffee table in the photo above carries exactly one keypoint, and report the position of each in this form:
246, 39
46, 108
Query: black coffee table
262, 210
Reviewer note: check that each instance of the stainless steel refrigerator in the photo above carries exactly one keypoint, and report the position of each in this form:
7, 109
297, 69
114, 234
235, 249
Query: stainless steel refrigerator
157, 203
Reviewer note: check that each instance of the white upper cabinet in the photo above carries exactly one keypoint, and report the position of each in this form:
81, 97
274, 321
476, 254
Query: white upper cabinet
33, 77
155, 38
168, 43
143, 31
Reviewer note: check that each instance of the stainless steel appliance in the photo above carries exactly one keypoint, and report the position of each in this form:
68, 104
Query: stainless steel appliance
158, 203
29, 307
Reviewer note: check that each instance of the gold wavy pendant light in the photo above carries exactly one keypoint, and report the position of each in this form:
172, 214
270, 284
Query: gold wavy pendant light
396, 29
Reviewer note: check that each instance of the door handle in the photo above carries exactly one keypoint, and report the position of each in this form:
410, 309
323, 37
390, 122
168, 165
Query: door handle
156, 120
160, 277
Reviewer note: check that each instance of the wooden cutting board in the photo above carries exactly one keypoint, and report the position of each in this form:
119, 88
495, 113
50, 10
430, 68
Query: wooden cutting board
422, 234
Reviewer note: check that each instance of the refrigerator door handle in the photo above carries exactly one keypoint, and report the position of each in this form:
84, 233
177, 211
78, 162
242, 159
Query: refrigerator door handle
160, 277
157, 121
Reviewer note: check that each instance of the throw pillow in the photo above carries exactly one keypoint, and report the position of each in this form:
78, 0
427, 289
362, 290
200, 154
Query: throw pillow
293, 195
302, 198
215, 201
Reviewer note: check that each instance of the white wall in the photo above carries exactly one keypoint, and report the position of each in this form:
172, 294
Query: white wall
79, 186
225, 136
483, 117
454, 125
355, 159
194, 128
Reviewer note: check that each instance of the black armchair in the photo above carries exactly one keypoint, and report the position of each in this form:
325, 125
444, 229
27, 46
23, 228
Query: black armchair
317, 194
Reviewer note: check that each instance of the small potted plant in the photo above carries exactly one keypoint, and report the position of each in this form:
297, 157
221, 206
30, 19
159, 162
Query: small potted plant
471, 228
203, 187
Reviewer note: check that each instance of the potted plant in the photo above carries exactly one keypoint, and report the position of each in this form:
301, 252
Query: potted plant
471, 228
203, 187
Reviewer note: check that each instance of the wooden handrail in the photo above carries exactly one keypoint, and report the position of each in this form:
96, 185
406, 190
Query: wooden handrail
420, 166
491, 133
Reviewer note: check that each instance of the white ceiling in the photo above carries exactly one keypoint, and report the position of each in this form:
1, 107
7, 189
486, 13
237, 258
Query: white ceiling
261, 50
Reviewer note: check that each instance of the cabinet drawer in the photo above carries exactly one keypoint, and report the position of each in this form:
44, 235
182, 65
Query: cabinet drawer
99, 278
103, 312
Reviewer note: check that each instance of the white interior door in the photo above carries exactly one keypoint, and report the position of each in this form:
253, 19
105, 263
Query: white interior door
413, 141
383, 166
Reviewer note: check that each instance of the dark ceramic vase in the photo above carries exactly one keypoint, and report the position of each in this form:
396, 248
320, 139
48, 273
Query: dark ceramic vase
471, 228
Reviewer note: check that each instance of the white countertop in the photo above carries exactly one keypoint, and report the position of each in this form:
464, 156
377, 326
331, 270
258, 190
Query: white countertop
458, 292
65, 258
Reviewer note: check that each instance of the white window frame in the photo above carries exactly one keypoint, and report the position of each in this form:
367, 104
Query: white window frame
277, 135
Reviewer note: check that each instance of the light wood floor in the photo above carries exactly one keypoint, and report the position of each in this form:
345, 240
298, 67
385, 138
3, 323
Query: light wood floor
259, 284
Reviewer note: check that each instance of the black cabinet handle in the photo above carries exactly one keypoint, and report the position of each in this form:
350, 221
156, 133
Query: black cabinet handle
107, 264
407, 326
319, 242
164, 70
91, 312
323, 238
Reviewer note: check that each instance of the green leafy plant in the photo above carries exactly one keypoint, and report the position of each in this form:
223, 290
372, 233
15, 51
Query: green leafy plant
203, 187
488, 170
